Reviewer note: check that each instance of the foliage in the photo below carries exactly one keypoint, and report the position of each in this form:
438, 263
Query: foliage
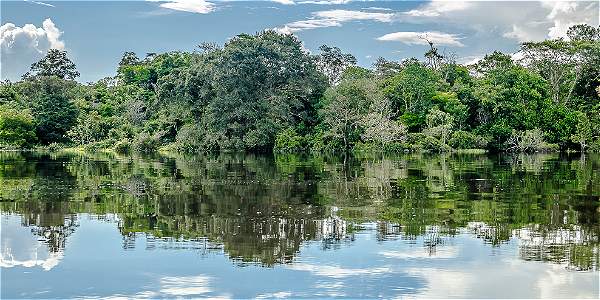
88, 129
343, 108
527, 141
412, 90
289, 141
583, 133
189, 139
51, 104
439, 124
144, 143
467, 140
122, 146
55, 63
265, 92
332, 62
16, 128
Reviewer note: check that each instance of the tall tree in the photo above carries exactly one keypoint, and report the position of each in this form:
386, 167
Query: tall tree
343, 109
563, 62
55, 63
412, 89
52, 107
332, 62
262, 84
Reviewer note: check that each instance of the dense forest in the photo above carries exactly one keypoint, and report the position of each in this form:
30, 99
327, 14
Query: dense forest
265, 92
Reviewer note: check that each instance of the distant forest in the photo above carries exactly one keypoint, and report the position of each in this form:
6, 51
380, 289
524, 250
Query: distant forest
265, 92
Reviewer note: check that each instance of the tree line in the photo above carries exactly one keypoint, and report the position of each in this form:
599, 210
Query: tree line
265, 92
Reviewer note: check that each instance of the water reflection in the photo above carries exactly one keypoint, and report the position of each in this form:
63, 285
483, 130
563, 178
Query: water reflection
267, 211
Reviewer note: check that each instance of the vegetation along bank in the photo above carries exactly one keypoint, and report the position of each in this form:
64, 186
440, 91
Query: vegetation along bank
264, 92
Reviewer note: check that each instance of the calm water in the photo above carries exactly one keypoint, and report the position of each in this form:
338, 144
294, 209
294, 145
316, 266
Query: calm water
244, 226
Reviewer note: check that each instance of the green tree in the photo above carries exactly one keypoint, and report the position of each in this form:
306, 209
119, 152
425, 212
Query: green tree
564, 63
439, 124
510, 98
55, 63
583, 133
262, 84
16, 128
88, 129
332, 62
52, 107
343, 107
379, 127
411, 91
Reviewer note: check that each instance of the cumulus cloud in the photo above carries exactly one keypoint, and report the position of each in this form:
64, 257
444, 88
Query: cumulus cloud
335, 18
520, 20
422, 38
193, 6
21, 46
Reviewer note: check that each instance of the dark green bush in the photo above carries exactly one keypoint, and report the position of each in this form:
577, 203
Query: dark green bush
432, 144
594, 146
123, 146
144, 143
288, 141
189, 139
467, 140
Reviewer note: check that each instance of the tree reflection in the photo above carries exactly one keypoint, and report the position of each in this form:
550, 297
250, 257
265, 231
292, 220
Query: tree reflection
261, 209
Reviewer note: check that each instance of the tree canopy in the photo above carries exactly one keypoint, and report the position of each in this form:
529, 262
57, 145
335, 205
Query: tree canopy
265, 92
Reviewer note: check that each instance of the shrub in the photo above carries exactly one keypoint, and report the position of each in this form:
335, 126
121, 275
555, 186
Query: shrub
398, 147
288, 141
528, 141
189, 139
432, 144
145, 143
413, 122
467, 140
365, 147
55, 147
594, 146
92, 147
16, 128
415, 140
123, 146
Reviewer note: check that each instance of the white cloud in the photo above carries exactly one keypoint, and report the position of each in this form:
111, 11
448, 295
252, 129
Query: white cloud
437, 8
325, 2
470, 59
351, 15
20, 247
21, 46
335, 18
518, 20
379, 8
421, 38
193, 6
277, 295
566, 14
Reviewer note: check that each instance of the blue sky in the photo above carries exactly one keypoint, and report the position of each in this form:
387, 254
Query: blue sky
96, 33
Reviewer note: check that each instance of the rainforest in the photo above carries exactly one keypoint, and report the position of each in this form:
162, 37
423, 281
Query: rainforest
264, 92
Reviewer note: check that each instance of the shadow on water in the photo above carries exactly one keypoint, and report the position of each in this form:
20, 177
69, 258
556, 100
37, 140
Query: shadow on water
262, 209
